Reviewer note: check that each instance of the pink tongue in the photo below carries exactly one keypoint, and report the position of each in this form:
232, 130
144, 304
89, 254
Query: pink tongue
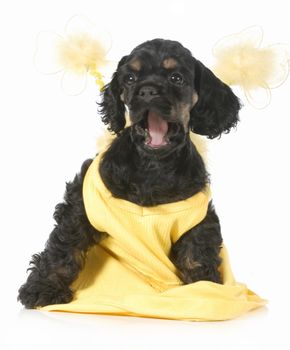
157, 128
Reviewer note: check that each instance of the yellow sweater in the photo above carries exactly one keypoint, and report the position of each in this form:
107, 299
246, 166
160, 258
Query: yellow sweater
129, 272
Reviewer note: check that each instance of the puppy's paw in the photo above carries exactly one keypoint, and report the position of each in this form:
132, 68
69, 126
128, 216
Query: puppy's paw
43, 292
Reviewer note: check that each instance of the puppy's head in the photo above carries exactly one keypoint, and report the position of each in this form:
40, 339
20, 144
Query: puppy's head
167, 92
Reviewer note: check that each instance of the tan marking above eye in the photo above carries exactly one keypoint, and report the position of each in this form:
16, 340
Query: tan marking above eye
135, 64
169, 63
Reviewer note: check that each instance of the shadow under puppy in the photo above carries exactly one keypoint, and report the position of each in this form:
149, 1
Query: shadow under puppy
153, 161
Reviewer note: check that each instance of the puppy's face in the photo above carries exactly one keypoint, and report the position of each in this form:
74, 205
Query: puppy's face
158, 89
167, 93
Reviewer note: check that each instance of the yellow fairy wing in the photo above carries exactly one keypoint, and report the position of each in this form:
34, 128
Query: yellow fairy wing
280, 65
259, 98
85, 48
82, 24
80, 51
240, 60
250, 36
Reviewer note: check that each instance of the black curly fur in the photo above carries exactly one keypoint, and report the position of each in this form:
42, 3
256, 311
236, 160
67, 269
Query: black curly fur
54, 269
217, 108
145, 176
112, 109
196, 253
148, 179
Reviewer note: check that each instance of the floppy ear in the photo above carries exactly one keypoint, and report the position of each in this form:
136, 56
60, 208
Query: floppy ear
112, 107
217, 108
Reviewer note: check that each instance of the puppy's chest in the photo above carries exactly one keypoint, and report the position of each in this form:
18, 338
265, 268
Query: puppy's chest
137, 233
151, 188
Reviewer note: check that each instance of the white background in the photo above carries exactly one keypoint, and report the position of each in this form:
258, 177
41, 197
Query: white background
45, 136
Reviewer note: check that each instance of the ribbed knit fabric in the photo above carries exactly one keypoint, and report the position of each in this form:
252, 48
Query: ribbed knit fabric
129, 272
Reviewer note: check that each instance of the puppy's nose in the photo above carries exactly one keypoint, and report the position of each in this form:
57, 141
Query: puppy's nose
148, 92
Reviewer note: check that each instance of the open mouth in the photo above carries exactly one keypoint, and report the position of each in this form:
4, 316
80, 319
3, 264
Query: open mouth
156, 133
156, 130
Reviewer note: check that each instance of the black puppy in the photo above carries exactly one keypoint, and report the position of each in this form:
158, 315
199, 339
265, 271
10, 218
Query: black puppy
168, 93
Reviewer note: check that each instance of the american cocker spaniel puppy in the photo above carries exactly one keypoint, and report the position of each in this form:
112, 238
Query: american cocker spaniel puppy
168, 93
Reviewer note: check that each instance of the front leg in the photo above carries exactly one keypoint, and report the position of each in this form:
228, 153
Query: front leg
54, 269
196, 253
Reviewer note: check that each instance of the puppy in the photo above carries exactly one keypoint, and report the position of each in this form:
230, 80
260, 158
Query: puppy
168, 93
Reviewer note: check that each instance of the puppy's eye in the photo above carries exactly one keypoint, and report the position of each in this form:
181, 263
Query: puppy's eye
176, 78
130, 78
